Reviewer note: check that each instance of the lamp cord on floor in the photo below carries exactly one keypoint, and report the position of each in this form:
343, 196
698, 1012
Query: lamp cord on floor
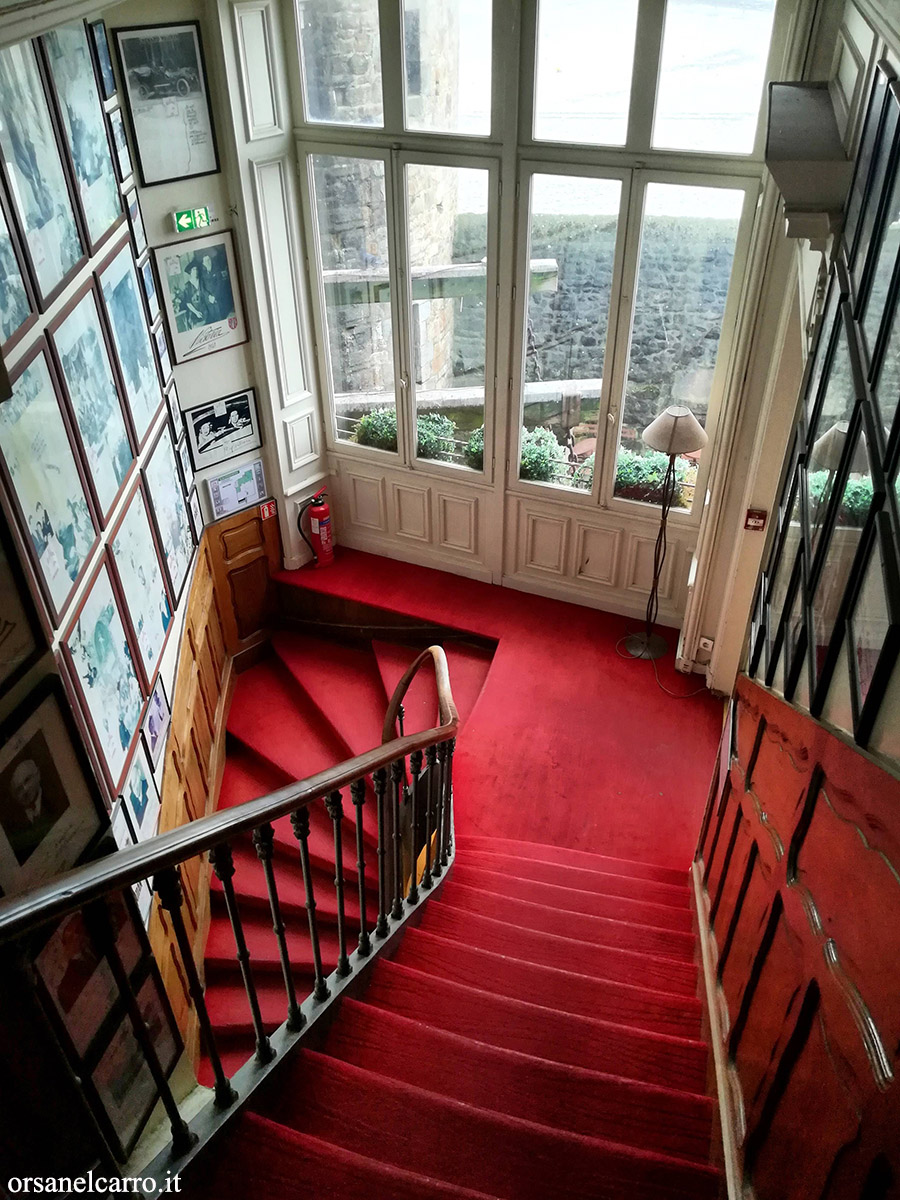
662, 686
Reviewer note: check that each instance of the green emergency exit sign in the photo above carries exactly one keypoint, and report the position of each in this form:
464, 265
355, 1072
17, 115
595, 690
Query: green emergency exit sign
191, 218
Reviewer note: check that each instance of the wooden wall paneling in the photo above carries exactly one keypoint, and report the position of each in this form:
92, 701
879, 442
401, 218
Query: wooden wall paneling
245, 551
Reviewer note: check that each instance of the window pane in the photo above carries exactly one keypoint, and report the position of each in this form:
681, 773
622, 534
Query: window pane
687, 249
447, 45
870, 620
340, 48
447, 213
351, 213
572, 247
585, 54
712, 72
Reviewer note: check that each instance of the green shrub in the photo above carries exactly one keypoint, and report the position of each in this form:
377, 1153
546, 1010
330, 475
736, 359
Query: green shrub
474, 451
855, 502
584, 475
435, 436
378, 428
641, 476
540, 452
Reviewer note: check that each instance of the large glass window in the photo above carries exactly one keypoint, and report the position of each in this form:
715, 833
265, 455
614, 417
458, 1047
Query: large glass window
447, 52
711, 76
687, 251
585, 57
572, 245
340, 47
447, 214
351, 220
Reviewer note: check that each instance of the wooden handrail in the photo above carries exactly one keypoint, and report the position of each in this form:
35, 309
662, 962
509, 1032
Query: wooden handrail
81, 885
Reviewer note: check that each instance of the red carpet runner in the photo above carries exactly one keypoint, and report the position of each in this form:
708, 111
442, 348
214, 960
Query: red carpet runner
538, 1035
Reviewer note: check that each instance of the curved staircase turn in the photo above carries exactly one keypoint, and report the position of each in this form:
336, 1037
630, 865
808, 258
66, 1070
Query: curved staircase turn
537, 1035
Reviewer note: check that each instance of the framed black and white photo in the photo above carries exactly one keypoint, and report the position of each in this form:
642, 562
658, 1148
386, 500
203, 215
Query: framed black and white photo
141, 579
170, 514
223, 429
103, 59
124, 169
140, 796
151, 295
128, 322
44, 480
22, 640
84, 361
162, 354
36, 180
71, 70
164, 78
48, 812
175, 412
136, 223
104, 676
237, 489
120, 825
157, 719
201, 295
17, 307
196, 513
187, 471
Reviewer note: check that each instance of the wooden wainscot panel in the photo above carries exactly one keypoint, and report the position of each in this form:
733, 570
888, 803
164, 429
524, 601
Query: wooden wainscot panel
800, 863
245, 552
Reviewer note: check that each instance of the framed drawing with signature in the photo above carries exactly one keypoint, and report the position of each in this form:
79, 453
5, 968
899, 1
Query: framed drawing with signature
201, 296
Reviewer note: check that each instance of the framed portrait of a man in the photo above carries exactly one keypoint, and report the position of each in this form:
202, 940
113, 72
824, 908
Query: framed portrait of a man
201, 295
49, 810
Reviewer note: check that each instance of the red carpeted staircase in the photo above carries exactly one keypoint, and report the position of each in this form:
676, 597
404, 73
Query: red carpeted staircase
537, 1035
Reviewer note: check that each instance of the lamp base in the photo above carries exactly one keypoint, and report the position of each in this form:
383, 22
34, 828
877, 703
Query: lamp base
639, 645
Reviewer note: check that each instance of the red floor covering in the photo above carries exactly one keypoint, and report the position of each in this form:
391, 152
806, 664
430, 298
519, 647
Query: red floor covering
569, 743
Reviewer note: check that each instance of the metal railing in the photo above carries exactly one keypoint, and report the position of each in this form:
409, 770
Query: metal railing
409, 778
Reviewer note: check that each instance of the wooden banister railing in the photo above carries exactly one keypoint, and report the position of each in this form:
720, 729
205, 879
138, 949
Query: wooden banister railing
407, 797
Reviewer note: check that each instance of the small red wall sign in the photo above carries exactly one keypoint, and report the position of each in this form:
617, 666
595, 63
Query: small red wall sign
756, 518
267, 510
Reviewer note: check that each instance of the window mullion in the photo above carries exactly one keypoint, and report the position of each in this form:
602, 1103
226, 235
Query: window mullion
647, 53
393, 72
398, 241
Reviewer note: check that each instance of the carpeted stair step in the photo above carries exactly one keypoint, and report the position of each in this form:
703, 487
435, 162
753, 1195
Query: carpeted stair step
420, 703
479, 1013
598, 931
265, 963
254, 898
563, 991
272, 1160
521, 1085
605, 882
469, 1146
571, 899
573, 858
565, 953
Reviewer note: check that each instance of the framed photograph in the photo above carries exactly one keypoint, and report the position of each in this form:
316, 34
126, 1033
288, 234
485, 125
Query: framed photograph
44, 480
22, 640
175, 410
164, 79
102, 58
124, 169
34, 172
140, 575
187, 471
170, 513
17, 306
223, 429
136, 223
151, 295
85, 366
201, 296
162, 354
68, 54
156, 723
77, 976
239, 488
121, 825
48, 810
140, 796
128, 322
196, 513
104, 676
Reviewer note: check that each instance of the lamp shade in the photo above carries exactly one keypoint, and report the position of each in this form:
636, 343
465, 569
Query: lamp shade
828, 450
675, 431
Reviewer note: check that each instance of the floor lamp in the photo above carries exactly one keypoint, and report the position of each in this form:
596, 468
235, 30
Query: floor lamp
675, 431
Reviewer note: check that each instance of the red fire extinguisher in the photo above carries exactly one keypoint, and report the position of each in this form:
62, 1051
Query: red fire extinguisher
320, 539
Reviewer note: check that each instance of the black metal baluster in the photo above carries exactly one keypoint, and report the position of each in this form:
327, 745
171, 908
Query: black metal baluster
358, 796
263, 840
448, 803
431, 772
223, 864
379, 778
415, 767
182, 1137
167, 885
401, 716
300, 825
438, 869
336, 812
398, 771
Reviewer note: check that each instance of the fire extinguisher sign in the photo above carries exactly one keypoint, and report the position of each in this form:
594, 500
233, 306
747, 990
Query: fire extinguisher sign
267, 510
